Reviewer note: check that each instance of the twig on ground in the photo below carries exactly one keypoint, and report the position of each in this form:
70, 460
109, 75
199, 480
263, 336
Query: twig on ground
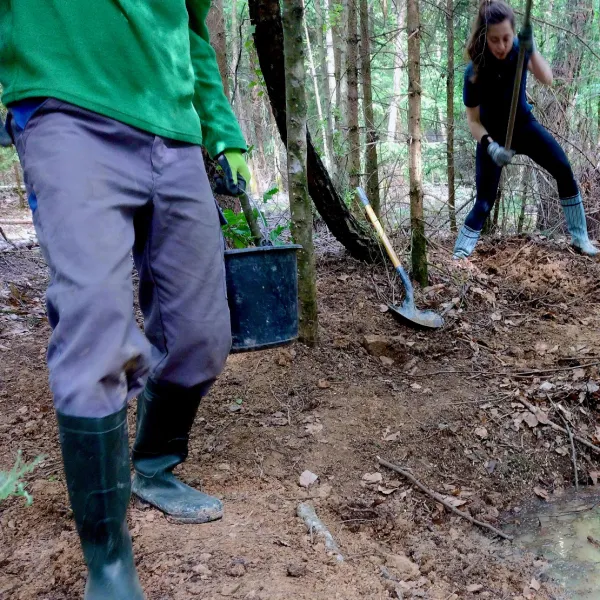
5, 238
593, 541
531, 373
556, 427
573, 451
441, 500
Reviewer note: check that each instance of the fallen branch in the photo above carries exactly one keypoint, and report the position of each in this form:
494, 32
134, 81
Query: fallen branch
556, 427
592, 540
441, 500
5, 238
531, 373
16, 222
307, 513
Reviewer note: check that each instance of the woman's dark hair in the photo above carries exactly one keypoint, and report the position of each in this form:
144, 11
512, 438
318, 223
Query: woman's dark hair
491, 12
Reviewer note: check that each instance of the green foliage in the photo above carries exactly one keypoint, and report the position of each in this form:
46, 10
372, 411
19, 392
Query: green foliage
10, 482
237, 231
8, 157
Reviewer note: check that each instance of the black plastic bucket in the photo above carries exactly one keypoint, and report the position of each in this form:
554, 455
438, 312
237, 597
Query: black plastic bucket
262, 291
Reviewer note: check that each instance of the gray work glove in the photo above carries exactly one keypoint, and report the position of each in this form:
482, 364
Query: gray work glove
499, 154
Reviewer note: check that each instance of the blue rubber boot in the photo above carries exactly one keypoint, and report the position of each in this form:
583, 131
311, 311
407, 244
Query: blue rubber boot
575, 216
165, 416
465, 243
96, 458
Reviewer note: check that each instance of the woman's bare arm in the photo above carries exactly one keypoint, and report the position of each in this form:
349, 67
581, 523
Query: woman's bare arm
474, 121
540, 68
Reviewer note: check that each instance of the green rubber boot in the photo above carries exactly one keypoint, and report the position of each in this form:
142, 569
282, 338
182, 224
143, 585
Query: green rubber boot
96, 459
165, 416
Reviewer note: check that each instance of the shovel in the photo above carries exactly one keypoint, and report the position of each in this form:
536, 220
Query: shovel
407, 312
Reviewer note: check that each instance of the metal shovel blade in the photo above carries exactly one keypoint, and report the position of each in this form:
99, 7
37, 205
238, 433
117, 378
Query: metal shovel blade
408, 313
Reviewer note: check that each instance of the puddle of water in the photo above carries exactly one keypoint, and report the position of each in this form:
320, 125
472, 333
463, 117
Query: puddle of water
558, 531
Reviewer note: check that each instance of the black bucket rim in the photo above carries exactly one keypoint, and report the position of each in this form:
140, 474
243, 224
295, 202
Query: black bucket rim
251, 249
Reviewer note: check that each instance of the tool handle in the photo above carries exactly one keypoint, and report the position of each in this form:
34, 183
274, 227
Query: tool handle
382, 236
517, 87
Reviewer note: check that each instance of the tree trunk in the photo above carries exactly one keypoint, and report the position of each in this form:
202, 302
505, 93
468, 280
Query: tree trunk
300, 206
215, 21
371, 137
353, 131
18, 185
499, 200
268, 39
399, 60
315, 79
521, 221
450, 114
330, 79
419, 243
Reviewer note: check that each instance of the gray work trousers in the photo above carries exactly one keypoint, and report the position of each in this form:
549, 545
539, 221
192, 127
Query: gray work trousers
99, 190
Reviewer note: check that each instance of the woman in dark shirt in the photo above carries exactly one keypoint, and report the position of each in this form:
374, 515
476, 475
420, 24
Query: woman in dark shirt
487, 94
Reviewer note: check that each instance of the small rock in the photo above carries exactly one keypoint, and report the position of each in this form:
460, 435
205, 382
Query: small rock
307, 479
372, 477
205, 557
202, 570
474, 588
230, 589
386, 362
376, 345
323, 384
481, 432
236, 569
403, 567
224, 467
324, 490
296, 570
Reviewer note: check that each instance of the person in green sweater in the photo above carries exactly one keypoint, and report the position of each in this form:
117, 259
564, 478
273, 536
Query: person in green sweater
108, 104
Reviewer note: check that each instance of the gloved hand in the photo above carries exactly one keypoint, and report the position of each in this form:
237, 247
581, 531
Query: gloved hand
236, 174
526, 38
499, 154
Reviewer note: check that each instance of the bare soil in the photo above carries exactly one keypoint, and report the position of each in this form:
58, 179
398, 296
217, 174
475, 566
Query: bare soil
521, 323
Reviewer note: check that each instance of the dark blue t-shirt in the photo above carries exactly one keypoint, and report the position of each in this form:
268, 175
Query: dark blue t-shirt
492, 91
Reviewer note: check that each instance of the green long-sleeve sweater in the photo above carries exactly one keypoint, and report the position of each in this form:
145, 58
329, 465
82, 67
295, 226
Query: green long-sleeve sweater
147, 63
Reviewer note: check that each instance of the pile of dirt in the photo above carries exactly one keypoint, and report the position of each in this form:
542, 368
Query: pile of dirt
450, 406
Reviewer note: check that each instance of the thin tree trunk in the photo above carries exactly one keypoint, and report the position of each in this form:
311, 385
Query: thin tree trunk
499, 200
450, 115
341, 88
236, 45
353, 131
521, 221
18, 185
300, 204
419, 243
399, 60
371, 163
331, 85
315, 79
215, 22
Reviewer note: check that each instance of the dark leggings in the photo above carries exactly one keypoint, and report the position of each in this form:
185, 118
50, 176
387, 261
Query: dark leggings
533, 140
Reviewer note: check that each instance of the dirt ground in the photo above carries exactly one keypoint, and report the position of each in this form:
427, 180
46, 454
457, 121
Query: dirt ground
522, 326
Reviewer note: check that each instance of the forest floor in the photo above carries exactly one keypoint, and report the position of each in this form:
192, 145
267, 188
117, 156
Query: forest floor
522, 327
